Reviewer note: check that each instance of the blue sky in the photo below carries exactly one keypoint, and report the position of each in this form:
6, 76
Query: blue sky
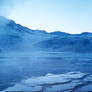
72, 16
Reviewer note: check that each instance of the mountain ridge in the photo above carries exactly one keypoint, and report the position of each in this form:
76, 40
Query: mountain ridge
9, 21
15, 37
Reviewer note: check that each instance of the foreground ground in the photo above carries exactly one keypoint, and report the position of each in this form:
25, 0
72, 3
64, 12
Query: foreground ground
69, 82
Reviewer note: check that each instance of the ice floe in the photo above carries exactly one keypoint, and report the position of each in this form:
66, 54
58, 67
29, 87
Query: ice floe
69, 82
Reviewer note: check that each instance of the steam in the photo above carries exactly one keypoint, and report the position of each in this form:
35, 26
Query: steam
7, 6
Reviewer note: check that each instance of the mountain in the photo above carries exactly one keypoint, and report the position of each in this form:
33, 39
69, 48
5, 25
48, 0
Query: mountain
69, 43
81, 43
15, 37
58, 33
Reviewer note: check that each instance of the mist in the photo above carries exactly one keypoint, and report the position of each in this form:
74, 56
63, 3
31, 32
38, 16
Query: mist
8, 6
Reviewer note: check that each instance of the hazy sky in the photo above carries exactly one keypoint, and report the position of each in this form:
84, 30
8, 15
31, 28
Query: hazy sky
72, 16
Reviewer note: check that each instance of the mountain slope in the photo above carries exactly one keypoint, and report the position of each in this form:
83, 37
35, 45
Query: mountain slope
75, 43
15, 37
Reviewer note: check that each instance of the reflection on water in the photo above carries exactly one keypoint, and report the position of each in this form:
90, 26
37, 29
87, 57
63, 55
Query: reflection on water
15, 69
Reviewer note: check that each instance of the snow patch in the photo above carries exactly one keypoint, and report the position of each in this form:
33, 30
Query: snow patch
49, 83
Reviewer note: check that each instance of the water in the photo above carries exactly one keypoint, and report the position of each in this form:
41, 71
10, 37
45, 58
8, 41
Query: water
14, 69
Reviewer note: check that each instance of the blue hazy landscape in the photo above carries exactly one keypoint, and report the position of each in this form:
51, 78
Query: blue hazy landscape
38, 61
45, 45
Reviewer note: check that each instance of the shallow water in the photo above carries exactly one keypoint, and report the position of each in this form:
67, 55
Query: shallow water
14, 69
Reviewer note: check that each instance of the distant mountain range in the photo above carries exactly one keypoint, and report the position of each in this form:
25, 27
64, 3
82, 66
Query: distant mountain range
15, 37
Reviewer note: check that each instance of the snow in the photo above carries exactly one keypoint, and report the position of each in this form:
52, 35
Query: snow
51, 79
49, 83
63, 87
19, 87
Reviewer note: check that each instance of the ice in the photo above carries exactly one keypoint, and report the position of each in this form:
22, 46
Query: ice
51, 79
50, 83
63, 87
21, 87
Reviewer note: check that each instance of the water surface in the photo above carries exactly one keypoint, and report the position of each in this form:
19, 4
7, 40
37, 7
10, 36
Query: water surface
15, 68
